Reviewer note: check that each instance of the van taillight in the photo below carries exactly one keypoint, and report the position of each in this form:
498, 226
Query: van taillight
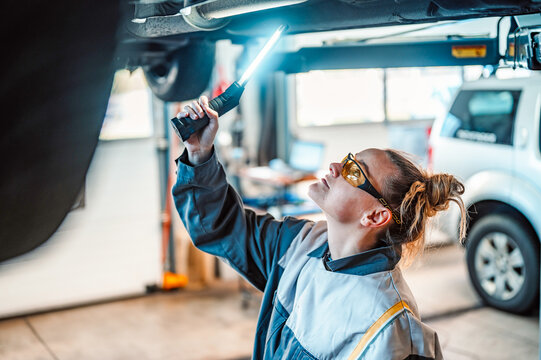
429, 154
430, 162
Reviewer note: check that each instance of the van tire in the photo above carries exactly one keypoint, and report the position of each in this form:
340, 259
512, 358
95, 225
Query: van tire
503, 263
183, 74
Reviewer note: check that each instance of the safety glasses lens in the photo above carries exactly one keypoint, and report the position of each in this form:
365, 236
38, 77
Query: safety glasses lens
352, 173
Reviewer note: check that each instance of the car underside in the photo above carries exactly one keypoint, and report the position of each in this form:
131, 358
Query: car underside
55, 90
161, 37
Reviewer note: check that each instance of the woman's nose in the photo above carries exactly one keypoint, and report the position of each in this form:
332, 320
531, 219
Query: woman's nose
335, 169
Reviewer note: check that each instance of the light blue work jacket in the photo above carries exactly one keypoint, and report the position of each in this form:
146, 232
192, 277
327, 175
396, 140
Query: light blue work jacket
313, 307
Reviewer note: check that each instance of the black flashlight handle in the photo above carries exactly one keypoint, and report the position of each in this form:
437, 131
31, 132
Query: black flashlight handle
222, 103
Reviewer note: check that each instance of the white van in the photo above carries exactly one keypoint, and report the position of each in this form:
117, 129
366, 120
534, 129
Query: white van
490, 139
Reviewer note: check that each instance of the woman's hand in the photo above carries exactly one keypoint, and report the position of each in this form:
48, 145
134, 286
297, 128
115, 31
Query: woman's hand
199, 145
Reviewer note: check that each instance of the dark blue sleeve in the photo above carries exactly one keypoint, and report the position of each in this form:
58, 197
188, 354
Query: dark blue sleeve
218, 223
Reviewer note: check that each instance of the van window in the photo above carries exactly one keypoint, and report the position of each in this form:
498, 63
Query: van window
483, 116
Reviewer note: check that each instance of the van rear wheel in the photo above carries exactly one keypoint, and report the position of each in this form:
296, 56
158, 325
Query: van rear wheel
184, 74
503, 262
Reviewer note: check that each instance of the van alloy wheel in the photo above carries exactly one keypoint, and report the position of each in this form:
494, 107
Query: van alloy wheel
500, 266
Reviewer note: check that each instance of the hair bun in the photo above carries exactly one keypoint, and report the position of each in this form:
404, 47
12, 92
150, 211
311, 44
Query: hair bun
417, 196
441, 189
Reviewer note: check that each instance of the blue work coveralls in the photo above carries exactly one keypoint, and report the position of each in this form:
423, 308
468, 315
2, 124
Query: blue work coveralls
313, 307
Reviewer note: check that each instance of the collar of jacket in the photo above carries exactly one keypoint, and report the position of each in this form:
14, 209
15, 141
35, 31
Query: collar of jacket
382, 258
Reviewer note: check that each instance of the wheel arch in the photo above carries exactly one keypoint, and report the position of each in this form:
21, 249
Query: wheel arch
483, 208
502, 193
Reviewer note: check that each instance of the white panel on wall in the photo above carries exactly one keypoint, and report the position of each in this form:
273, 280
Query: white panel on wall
108, 248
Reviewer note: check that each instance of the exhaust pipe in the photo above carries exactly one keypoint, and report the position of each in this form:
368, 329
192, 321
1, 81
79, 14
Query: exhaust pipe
225, 9
207, 16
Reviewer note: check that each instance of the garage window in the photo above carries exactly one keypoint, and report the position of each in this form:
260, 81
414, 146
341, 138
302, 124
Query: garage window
356, 96
338, 97
420, 93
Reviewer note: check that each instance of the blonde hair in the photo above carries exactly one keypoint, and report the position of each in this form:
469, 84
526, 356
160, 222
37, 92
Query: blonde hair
417, 195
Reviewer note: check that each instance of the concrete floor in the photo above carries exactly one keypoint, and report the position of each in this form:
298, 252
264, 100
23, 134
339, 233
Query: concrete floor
213, 324
467, 329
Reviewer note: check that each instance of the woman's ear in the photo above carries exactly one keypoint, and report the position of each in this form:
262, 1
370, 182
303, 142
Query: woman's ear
376, 217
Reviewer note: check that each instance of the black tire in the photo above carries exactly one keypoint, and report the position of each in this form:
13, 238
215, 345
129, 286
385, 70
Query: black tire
503, 262
184, 74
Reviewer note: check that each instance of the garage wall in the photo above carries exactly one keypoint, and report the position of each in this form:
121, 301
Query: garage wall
109, 248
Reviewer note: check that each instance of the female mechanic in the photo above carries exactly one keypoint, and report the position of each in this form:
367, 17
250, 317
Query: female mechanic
332, 289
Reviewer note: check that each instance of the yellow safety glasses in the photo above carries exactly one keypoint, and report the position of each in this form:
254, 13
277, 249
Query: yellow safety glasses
354, 174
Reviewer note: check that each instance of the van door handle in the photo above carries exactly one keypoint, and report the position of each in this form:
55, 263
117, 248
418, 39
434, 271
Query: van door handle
523, 138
